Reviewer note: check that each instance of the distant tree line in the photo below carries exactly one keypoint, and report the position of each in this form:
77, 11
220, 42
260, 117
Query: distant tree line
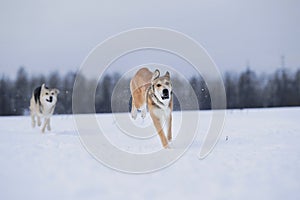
247, 90
244, 90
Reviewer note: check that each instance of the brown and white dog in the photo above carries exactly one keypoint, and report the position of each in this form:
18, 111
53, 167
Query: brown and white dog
151, 91
42, 104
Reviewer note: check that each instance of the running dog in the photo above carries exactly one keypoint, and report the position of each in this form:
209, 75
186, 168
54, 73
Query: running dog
151, 91
42, 104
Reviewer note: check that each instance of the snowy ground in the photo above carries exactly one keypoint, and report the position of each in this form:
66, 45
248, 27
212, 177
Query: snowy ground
260, 160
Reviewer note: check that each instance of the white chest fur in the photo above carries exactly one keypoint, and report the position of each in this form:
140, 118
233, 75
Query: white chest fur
46, 109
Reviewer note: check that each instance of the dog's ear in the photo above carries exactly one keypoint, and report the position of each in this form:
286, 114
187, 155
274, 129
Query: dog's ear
43, 86
167, 74
155, 75
56, 91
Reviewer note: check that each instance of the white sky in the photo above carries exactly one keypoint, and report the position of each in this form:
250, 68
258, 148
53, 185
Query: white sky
53, 35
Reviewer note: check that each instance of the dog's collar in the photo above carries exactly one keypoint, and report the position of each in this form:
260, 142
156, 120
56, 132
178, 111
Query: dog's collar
152, 87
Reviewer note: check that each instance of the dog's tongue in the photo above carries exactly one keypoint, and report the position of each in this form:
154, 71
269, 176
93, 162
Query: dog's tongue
165, 97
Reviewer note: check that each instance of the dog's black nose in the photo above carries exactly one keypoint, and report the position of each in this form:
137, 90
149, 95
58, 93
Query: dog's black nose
165, 92
51, 98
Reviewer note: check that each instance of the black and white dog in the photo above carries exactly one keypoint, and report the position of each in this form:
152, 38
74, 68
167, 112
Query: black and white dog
42, 104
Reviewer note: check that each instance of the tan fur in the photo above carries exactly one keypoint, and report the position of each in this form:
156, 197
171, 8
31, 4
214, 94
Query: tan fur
147, 91
139, 85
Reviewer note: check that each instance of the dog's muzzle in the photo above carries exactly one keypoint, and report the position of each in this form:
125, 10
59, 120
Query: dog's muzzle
50, 99
165, 94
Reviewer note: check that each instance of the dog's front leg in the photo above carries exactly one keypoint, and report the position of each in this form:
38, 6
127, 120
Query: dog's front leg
45, 124
39, 121
48, 126
170, 128
160, 130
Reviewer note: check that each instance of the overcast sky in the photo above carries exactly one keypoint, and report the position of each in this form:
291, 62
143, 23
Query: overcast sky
57, 35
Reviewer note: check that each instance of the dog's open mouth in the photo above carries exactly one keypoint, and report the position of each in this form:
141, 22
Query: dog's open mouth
49, 100
165, 97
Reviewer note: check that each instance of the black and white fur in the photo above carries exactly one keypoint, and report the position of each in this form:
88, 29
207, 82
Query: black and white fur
42, 104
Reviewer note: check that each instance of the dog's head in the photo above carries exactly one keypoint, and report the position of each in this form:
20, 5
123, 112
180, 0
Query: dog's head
162, 86
48, 96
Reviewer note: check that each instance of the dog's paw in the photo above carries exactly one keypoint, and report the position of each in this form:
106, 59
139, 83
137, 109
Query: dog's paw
167, 146
171, 145
33, 124
133, 115
144, 113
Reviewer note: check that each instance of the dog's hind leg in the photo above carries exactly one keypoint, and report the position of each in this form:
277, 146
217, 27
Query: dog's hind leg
133, 110
144, 111
32, 119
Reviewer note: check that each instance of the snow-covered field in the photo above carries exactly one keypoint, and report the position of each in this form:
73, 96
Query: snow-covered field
260, 160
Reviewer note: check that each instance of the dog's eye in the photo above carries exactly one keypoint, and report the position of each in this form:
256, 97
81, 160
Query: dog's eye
158, 85
47, 93
167, 83
52, 93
